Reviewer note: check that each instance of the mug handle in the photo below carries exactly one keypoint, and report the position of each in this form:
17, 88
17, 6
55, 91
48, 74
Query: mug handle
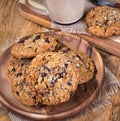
29, 13
38, 6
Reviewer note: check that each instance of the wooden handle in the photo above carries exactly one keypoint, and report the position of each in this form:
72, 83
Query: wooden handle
38, 18
107, 45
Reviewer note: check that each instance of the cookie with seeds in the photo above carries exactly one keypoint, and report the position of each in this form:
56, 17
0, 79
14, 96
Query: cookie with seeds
84, 64
32, 45
86, 68
103, 21
17, 70
54, 78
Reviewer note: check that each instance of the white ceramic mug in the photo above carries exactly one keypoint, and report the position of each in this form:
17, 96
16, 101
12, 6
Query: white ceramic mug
61, 11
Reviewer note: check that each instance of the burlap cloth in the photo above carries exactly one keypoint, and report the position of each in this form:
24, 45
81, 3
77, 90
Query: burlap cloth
111, 84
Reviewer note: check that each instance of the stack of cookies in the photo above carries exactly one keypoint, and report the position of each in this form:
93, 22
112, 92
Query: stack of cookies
103, 21
43, 71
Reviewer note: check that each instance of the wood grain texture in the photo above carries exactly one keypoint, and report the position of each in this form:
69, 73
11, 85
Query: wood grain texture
13, 26
104, 44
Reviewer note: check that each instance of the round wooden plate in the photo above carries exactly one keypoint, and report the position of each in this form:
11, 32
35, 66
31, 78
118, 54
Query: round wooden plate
85, 94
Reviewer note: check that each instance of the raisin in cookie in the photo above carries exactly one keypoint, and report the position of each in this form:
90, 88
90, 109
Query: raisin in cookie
103, 21
84, 64
54, 78
31, 46
86, 67
17, 70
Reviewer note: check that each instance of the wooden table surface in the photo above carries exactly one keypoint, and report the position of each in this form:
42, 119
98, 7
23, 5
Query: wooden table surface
13, 26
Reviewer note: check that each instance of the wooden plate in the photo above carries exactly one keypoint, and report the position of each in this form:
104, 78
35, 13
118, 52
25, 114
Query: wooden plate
84, 96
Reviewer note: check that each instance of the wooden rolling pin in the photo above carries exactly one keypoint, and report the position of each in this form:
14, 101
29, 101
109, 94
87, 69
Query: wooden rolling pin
107, 45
